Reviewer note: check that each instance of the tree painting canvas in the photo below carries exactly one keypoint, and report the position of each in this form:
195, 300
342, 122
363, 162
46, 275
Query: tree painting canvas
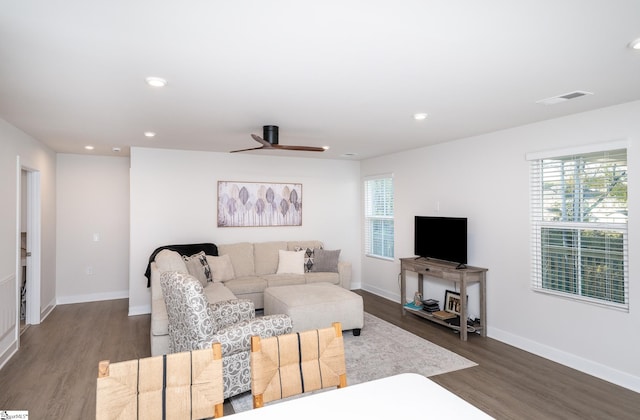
252, 204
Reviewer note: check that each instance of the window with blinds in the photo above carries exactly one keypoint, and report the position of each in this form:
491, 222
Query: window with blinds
378, 216
579, 221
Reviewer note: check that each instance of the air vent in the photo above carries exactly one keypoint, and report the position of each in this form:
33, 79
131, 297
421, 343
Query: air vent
562, 98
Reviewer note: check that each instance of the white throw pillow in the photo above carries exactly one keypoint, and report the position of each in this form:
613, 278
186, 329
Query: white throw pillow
167, 260
290, 262
221, 268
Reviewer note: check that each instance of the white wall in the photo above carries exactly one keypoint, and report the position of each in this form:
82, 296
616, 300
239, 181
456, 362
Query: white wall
485, 178
174, 200
35, 156
93, 225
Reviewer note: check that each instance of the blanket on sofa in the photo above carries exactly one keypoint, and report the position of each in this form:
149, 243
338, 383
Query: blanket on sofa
186, 249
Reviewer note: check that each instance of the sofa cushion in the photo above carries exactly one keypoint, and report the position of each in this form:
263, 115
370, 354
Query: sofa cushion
274, 280
265, 256
218, 292
167, 260
198, 267
245, 285
221, 268
324, 277
241, 257
292, 245
325, 260
290, 262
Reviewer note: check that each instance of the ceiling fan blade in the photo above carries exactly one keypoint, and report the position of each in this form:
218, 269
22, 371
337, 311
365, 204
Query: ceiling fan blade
251, 148
261, 140
300, 148
270, 141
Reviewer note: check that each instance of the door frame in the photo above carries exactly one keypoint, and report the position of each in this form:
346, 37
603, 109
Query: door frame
34, 230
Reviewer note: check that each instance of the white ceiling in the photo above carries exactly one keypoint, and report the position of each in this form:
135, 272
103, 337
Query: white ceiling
346, 74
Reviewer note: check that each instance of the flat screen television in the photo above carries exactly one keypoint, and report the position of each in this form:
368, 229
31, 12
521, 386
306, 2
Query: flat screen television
441, 238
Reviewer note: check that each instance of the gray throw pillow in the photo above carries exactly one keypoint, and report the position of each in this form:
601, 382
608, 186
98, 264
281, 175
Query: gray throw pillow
325, 260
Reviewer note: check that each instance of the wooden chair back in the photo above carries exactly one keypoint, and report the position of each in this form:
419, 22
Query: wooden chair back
186, 385
296, 363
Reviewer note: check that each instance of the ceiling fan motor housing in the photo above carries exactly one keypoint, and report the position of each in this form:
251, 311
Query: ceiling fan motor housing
270, 133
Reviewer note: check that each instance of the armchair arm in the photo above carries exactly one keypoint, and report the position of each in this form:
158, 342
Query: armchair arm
230, 312
237, 338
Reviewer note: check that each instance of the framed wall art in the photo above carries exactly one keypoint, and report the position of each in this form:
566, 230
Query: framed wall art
253, 204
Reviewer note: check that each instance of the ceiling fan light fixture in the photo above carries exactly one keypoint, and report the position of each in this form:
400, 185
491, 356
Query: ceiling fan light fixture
269, 140
156, 81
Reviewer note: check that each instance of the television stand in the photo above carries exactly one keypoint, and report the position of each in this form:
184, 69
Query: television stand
447, 271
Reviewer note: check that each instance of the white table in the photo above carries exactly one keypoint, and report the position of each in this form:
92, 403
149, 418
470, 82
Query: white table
407, 395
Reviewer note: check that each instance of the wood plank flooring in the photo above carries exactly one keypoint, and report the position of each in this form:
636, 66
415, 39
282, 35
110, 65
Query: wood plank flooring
53, 374
509, 383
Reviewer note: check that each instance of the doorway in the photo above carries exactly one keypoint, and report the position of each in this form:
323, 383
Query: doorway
28, 284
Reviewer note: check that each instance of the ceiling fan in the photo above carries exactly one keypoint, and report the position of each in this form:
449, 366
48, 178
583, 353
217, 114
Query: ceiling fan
269, 140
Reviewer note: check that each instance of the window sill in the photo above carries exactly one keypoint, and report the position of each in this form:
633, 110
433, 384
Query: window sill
379, 257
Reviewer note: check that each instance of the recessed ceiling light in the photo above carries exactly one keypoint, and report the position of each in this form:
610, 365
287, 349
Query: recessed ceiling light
116, 149
89, 147
635, 44
156, 81
350, 154
420, 116
149, 134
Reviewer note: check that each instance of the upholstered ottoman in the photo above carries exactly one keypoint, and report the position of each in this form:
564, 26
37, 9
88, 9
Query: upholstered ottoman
316, 305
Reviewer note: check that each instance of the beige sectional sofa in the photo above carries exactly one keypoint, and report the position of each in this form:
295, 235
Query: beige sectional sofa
243, 271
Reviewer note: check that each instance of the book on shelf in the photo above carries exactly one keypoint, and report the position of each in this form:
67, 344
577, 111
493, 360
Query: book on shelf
444, 315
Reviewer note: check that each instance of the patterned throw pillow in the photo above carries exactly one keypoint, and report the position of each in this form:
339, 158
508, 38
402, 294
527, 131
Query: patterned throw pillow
308, 258
198, 267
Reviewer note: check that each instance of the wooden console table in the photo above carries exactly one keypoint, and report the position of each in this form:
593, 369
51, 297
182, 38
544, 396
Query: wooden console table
447, 271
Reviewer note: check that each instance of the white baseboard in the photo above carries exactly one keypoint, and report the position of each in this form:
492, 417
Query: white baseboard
10, 350
383, 293
589, 367
47, 310
598, 370
94, 297
139, 310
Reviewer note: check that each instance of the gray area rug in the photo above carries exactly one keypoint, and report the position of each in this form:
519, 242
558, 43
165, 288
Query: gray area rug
381, 350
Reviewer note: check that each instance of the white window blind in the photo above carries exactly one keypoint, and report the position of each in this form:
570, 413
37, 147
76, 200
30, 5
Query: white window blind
579, 226
378, 216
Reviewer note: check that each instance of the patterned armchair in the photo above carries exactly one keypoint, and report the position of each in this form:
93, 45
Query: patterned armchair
194, 324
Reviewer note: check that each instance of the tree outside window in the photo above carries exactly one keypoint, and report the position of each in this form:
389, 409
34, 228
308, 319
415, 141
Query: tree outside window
579, 210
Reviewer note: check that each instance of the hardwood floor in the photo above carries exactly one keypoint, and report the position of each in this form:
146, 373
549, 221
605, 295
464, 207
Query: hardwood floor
509, 383
53, 375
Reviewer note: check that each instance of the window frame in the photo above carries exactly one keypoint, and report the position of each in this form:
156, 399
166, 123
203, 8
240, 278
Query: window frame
577, 228
368, 218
